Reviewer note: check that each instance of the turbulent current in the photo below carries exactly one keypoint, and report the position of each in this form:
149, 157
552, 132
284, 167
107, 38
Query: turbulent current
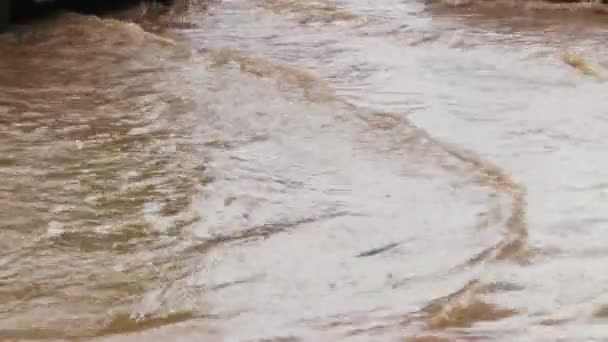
300, 170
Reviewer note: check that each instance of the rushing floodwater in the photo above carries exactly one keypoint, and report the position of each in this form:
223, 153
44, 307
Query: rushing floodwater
298, 170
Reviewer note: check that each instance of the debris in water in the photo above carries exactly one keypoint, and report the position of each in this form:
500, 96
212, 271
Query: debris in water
579, 63
378, 250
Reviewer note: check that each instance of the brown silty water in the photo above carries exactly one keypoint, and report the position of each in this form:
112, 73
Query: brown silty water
281, 170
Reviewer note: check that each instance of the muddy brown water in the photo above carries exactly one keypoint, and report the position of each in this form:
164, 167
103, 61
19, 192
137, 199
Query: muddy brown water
281, 170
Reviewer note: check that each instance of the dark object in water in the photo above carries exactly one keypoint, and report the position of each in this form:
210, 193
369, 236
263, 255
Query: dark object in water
18, 10
5, 14
378, 250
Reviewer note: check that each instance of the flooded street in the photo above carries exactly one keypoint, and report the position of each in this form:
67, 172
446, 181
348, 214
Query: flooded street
306, 170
